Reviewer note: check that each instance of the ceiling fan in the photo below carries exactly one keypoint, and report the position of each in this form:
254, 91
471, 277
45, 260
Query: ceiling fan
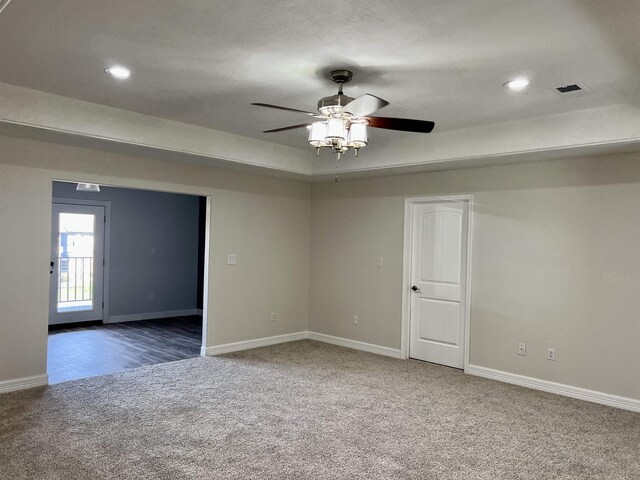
342, 120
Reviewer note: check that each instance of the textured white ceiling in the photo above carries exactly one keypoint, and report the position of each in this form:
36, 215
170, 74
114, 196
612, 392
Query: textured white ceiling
203, 62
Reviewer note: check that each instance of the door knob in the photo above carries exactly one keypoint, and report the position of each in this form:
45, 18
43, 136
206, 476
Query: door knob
414, 288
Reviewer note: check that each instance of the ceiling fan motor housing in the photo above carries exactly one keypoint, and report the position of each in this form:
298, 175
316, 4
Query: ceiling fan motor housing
341, 76
333, 104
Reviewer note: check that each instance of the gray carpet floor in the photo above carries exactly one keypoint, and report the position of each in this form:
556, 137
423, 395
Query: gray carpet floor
307, 410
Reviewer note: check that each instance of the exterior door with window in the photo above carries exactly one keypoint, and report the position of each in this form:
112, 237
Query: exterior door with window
77, 263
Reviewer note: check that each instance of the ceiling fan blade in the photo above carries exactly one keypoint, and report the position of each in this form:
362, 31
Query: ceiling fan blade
364, 105
403, 124
292, 127
278, 107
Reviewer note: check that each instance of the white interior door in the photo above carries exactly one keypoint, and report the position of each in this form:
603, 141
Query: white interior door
439, 242
77, 263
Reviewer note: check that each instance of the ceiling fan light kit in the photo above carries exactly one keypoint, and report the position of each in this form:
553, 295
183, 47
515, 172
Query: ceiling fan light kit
338, 133
344, 120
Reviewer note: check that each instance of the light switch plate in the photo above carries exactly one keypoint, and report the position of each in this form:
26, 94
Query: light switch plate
231, 259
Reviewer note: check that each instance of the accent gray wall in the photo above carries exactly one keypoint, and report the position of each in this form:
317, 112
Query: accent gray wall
142, 220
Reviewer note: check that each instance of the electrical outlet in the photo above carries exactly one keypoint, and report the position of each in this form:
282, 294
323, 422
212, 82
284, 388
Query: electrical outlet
152, 297
231, 259
273, 316
551, 354
522, 348
379, 262
355, 320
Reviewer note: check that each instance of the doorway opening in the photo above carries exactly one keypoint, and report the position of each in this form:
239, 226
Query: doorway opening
436, 280
127, 279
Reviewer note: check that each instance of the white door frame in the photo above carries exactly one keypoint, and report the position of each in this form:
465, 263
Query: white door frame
107, 244
409, 203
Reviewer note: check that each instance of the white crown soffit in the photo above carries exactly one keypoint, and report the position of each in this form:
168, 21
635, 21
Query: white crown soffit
48, 117
74, 119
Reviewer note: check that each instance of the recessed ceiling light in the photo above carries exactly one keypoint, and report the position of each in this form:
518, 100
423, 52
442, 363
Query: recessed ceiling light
119, 72
517, 83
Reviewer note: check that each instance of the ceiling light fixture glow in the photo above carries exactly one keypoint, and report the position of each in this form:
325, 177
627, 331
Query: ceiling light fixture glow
119, 72
517, 84
87, 187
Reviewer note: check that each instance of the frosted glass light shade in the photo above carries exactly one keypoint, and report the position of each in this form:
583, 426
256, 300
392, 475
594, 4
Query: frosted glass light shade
357, 135
317, 134
336, 129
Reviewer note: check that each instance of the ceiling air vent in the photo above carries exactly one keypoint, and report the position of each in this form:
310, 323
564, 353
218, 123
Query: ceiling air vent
573, 90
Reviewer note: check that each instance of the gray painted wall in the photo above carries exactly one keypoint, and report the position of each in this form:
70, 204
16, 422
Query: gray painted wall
555, 264
142, 220
265, 221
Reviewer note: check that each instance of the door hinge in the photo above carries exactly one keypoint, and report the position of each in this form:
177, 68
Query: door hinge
103, 305
103, 263
105, 219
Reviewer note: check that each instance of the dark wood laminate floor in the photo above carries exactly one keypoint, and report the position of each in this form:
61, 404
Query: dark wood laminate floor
87, 351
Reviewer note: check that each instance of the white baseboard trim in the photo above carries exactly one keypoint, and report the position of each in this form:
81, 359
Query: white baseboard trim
557, 388
7, 386
292, 337
255, 343
152, 315
356, 345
